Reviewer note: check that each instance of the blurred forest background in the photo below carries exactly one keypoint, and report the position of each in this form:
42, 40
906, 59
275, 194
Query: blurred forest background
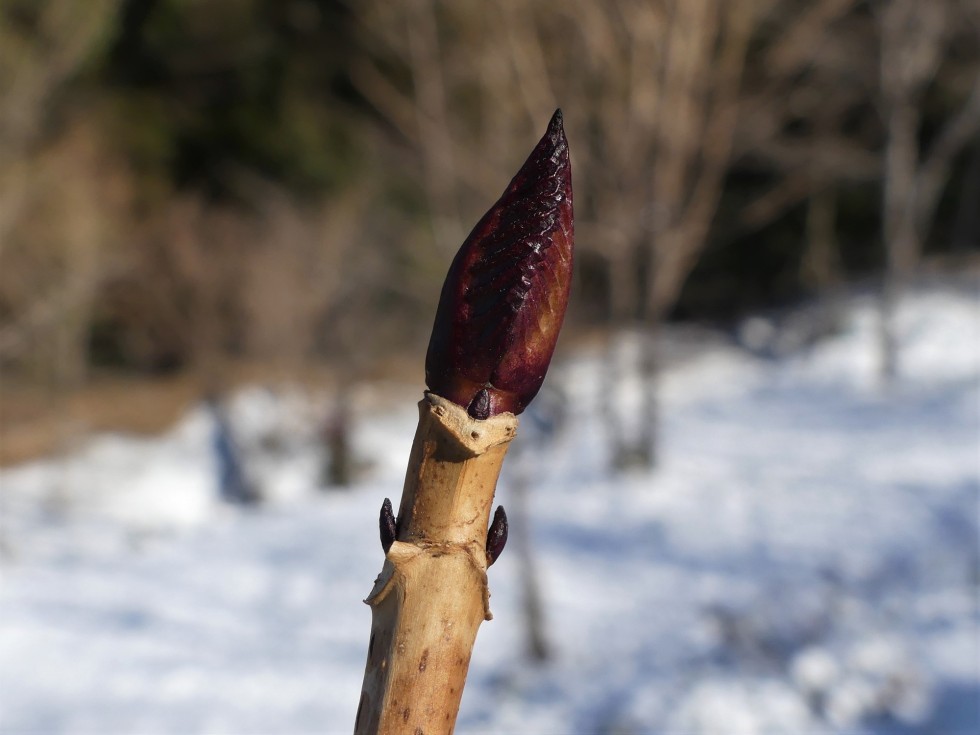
192, 189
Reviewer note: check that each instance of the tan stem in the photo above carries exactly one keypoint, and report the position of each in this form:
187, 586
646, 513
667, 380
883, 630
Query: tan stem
431, 596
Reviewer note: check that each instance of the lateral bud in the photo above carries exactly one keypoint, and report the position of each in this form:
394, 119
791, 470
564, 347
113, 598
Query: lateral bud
388, 525
496, 535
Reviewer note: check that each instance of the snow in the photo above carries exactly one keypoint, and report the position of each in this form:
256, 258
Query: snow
805, 559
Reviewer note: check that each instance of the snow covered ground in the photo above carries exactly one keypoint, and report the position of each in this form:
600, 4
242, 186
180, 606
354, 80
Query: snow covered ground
804, 560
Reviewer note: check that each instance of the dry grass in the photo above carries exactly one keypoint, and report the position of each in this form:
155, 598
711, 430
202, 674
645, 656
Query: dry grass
35, 422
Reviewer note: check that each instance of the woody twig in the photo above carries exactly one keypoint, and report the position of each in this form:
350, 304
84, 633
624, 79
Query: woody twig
495, 330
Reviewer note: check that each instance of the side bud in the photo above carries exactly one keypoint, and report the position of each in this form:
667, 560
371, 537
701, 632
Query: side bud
504, 299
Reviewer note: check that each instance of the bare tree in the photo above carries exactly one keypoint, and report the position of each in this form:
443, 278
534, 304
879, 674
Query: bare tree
913, 36
655, 143
808, 78
38, 54
57, 193
58, 253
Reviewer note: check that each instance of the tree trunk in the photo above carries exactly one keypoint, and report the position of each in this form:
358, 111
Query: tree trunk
647, 449
338, 468
902, 244
822, 264
622, 297
537, 642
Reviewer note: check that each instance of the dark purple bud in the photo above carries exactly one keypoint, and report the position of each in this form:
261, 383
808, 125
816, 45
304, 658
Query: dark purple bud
388, 525
504, 299
497, 535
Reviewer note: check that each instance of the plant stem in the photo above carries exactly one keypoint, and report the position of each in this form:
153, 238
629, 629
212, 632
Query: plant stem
431, 596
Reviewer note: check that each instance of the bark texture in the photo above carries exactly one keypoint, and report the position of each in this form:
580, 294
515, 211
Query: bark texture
431, 596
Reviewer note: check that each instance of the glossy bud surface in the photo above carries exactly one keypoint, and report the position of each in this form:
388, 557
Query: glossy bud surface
504, 299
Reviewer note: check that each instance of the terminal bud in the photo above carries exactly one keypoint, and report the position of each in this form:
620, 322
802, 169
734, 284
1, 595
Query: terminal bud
504, 299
